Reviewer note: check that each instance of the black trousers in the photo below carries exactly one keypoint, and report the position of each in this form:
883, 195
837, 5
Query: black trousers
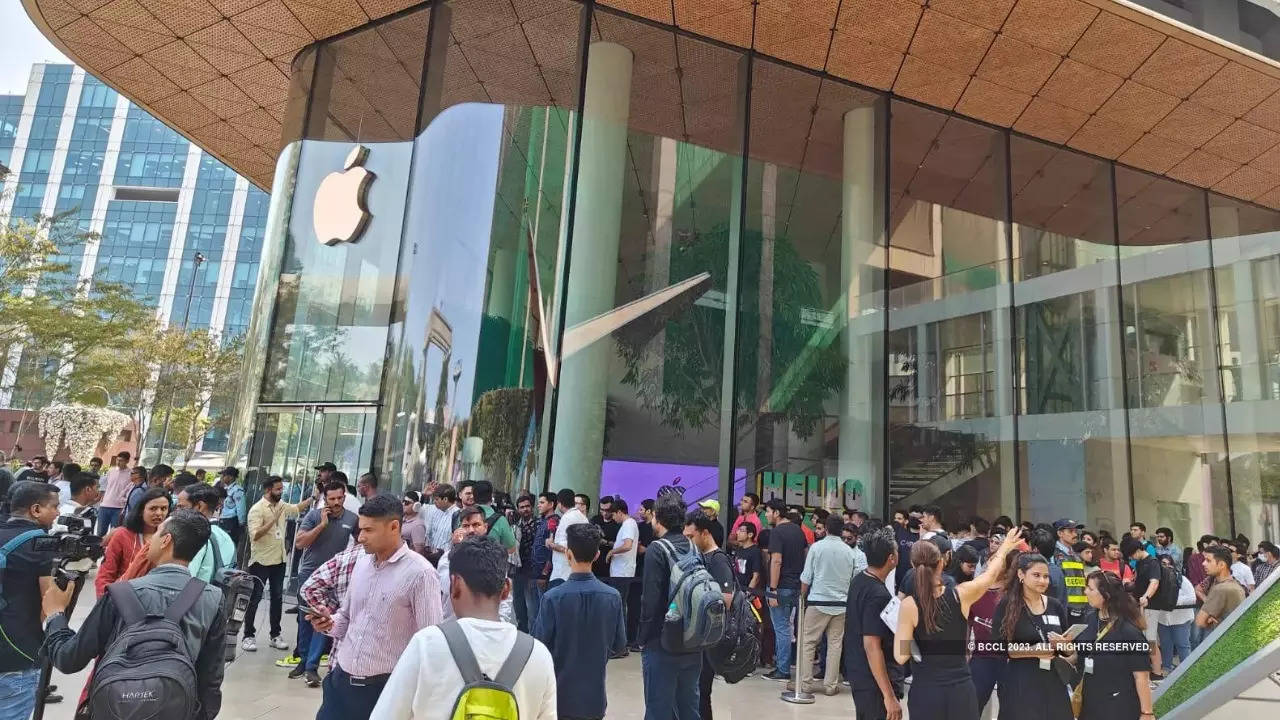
948, 702
272, 575
704, 689
868, 705
632, 603
344, 700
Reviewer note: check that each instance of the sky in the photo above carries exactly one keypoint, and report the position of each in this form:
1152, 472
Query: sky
22, 47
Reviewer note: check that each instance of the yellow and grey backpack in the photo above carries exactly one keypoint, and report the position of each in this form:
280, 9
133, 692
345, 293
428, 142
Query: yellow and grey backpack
483, 698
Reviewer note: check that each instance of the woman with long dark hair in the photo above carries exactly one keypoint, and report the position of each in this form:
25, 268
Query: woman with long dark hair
125, 541
1116, 684
1031, 624
934, 617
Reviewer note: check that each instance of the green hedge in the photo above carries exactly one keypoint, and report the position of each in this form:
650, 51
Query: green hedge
1250, 633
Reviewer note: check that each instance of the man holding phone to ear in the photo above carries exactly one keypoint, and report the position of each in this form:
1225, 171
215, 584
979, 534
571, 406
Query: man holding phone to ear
323, 533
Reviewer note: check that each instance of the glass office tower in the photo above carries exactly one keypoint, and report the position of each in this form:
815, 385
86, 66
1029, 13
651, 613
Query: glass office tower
606, 254
150, 198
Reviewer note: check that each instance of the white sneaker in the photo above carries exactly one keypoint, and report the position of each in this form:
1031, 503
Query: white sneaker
279, 644
249, 645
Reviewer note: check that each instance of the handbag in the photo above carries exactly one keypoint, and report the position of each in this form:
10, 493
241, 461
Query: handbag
1077, 694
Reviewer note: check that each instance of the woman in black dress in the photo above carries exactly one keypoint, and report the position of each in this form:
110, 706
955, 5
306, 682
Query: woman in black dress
935, 617
1031, 624
1116, 682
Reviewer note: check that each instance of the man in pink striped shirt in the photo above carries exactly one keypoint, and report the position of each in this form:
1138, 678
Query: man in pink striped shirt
115, 489
393, 593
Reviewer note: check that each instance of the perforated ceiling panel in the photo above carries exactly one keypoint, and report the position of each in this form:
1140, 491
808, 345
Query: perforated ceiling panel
1096, 75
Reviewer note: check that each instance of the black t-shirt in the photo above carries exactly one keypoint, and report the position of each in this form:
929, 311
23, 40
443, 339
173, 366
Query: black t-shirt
1148, 570
788, 539
646, 537
609, 529
721, 568
20, 618
867, 599
1109, 691
747, 562
905, 539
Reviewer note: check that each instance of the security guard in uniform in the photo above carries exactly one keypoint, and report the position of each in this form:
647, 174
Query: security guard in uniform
1072, 568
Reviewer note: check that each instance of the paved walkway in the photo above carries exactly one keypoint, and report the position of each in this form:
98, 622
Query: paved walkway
255, 689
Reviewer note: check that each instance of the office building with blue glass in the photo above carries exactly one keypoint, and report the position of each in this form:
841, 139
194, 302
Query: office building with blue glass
1014, 257
150, 198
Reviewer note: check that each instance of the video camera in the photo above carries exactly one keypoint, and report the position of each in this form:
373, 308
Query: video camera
74, 546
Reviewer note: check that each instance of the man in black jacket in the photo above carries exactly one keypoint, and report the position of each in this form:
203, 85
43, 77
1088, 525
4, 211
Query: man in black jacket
172, 547
670, 679
33, 510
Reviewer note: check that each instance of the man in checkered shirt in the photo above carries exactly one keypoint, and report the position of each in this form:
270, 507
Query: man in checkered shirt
327, 586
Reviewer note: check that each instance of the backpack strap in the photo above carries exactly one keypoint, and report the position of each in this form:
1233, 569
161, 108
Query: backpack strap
16, 542
126, 602
217, 558
186, 600
460, 648
515, 662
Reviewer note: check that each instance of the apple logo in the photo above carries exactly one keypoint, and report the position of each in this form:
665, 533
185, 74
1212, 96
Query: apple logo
341, 211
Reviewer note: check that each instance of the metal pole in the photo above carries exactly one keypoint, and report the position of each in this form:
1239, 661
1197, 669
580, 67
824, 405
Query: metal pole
797, 695
186, 315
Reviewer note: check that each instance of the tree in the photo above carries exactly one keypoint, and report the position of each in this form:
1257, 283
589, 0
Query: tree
194, 366
59, 331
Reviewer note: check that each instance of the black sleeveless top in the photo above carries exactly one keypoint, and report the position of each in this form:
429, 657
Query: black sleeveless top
943, 652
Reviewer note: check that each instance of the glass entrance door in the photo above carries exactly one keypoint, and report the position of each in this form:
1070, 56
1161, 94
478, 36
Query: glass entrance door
290, 440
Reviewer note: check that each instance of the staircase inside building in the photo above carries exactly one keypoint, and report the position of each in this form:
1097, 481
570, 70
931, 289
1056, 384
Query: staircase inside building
931, 462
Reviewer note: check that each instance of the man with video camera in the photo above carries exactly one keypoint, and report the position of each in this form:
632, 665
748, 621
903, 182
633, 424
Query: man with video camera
27, 574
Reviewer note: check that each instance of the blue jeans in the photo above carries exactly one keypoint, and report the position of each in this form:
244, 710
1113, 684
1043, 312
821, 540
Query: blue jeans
532, 602
107, 519
18, 694
986, 672
311, 644
782, 633
670, 683
1174, 639
1197, 634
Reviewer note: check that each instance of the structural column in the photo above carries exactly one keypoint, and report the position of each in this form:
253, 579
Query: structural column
862, 400
593, 263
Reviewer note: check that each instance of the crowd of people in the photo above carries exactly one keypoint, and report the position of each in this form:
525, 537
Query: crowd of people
415, 604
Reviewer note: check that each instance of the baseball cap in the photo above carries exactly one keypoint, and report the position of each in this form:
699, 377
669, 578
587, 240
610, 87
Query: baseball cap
327, 466
713, 504
1065, 523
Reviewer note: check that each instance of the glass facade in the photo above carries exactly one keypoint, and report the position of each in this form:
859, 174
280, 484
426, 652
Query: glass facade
606, 254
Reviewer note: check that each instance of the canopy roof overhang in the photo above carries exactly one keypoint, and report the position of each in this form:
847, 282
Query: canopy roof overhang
1105, 77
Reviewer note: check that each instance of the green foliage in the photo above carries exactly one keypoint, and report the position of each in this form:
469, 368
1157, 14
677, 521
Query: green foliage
501, 418
1256, 629
684, 390
70, 332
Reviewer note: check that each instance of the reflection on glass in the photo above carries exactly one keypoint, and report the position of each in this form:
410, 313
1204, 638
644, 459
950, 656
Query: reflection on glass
949, 349
1246, 255
1071, 428
1172, 387
810, 341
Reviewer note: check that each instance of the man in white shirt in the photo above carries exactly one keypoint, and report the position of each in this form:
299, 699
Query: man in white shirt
83, 494
570, 515
426, 680
622, 558
115, 490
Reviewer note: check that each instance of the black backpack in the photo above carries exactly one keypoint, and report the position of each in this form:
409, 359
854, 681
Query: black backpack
146, 671
1166, 597
738, 652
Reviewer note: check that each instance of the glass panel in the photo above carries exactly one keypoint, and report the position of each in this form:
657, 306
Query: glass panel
810, 362
465, 384
1246, 257
1171, 374
639, 402
951, 385
1071, 430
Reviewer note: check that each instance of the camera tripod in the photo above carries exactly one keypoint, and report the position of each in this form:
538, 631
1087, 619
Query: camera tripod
71, 572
